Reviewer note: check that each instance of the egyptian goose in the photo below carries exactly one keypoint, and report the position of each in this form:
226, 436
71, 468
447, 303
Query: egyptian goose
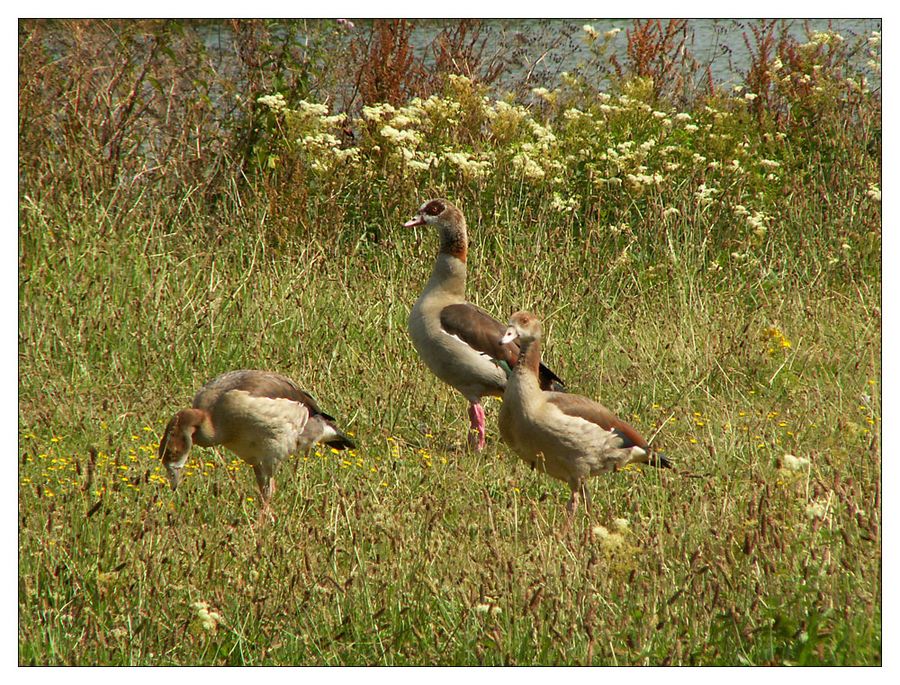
569, 437
262, 417
458, 341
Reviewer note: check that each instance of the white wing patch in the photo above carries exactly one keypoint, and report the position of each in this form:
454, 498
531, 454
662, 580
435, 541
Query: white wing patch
460, 340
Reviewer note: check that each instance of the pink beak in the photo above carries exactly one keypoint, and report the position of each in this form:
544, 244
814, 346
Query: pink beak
510, 335
417, 220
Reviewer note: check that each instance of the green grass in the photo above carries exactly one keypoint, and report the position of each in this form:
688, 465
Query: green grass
399, 553
736, 328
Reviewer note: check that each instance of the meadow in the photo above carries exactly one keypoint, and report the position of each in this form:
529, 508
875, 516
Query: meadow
707, 263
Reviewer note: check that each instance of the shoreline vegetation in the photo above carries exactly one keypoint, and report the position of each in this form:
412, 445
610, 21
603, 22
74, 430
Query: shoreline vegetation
706, 261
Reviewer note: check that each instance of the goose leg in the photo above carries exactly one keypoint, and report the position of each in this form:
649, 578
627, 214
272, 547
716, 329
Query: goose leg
572, 506
265, 481
477, 432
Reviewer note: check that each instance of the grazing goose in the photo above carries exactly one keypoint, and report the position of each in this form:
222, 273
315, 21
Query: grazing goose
458, 341
569, 437
262, 417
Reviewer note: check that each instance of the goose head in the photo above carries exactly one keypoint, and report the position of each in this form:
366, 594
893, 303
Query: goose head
524, 327
450, 223
176, 443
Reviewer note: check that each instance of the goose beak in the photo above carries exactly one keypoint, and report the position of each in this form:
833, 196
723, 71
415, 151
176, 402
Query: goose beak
417, 220
173, 473
510, 335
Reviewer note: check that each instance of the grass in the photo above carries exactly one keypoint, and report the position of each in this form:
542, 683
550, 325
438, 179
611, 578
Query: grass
385, 557
734, 349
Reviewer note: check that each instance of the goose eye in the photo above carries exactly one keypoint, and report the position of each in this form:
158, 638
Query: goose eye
434, 208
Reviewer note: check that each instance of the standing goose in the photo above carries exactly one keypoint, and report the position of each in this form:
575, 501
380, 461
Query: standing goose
458, 341
569, 437
262, 417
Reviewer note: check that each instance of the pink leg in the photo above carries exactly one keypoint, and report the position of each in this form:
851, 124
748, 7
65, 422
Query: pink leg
477, 434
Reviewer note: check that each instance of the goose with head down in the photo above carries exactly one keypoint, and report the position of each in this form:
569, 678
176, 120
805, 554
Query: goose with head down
567, 436
458, 341
262, 417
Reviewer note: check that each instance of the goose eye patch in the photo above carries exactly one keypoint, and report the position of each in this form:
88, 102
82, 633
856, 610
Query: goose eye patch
434, 208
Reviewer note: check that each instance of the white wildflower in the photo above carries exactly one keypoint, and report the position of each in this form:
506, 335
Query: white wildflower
639, 180
750, 96
470, 167
376, 112
204, 619
528, 166
334, 120
401, 121
274, 102
350, 154
459, 80
563, 205
543, 134
608, 541
816, 510
826, 37
319, 140
612, 33
682, 116
620, 525
769, 163
706, 194
757, 221
690, 128
399, 137
590, 32
312, 108
418, 165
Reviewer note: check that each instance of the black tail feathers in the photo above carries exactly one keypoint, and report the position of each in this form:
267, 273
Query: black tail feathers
660, 461
340, 441
550, 381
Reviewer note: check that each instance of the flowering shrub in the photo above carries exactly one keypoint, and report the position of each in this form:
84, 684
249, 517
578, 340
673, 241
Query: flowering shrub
600, 161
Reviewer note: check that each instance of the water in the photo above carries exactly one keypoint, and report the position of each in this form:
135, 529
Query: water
536, 51
718, 43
